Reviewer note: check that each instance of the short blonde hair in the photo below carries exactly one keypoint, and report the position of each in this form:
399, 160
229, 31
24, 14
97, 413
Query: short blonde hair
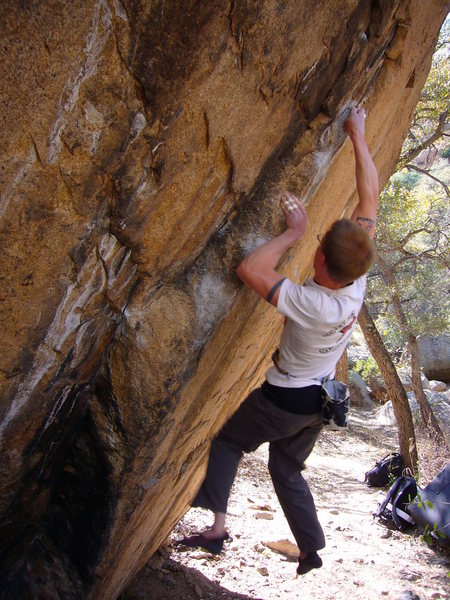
349, 252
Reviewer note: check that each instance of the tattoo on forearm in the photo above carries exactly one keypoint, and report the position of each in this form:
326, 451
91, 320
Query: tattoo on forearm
366, 223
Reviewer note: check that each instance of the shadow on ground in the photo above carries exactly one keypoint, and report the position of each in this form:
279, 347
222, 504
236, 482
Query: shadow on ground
166, 578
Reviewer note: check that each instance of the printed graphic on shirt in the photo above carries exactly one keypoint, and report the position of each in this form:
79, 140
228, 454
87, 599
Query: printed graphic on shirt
349, 326
344, 328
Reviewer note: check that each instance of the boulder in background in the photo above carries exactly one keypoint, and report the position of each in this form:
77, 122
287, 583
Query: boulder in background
434, 355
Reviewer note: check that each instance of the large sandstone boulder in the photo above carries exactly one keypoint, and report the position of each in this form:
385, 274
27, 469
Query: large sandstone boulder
434, 354
359, 394
144, 148
437, 386
439, 403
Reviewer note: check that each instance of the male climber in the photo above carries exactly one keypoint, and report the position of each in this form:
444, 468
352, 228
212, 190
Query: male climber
320, 317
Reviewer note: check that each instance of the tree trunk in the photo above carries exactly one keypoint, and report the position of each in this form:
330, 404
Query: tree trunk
400, 404
426, 412
342, 368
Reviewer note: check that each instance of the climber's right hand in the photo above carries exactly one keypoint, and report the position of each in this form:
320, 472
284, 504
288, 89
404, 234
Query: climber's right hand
296, 217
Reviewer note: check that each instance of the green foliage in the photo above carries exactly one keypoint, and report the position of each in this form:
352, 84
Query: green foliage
367, 368
446, 152
392, 333
413, 228
429, 533
423, 504
407, 179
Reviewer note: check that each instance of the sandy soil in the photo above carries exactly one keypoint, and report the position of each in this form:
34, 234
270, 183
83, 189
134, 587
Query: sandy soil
362, 559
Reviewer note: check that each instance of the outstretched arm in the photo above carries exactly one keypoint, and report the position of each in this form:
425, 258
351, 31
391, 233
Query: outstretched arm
258, 269
365, 214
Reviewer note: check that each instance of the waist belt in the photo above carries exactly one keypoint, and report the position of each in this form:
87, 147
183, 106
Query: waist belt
276, 362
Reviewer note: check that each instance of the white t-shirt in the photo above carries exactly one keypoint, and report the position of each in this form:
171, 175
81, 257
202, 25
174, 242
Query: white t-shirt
319, 324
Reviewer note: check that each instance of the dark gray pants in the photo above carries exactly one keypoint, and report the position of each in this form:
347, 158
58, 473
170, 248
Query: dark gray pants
292, 438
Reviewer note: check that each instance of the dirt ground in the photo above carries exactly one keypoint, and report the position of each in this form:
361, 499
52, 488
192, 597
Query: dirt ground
362, 559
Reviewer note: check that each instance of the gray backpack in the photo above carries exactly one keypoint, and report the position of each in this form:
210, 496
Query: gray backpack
431, 508
335, 400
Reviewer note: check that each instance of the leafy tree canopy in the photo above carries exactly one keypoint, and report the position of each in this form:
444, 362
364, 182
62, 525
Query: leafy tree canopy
412, 236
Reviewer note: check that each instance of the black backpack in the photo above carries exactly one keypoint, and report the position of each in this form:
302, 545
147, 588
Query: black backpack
393, 510
386, 469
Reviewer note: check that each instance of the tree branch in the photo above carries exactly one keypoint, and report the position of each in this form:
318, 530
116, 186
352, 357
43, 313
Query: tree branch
414, 152
428, 174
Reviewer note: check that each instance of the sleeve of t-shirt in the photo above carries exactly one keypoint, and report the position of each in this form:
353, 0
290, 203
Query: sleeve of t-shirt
299, 303
361, 285
360, 289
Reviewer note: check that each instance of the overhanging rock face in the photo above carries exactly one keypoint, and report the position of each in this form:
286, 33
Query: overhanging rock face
144, 149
